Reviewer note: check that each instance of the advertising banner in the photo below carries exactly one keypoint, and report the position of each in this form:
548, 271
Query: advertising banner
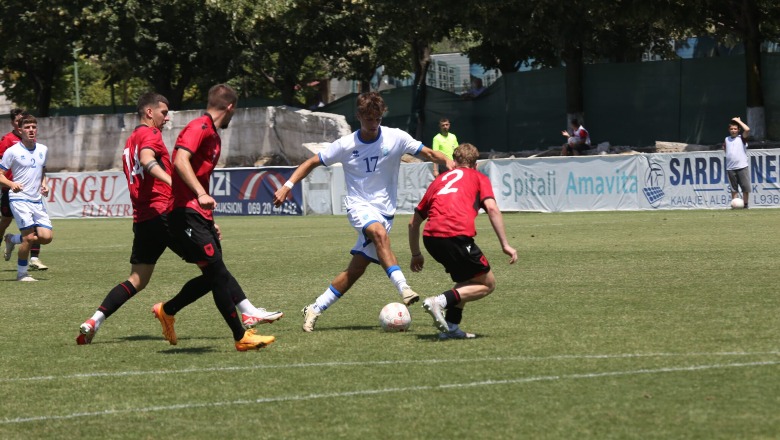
553, 184
95, 194
250, 191
629, 182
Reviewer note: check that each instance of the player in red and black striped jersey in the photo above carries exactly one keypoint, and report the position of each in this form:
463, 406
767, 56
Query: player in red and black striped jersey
12, 138
450, 206
192, 226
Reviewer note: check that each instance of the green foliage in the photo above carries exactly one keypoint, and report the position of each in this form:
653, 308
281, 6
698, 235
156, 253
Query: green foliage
38, 39
611, 325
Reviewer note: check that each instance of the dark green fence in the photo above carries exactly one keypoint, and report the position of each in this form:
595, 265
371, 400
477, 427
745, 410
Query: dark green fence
633, 104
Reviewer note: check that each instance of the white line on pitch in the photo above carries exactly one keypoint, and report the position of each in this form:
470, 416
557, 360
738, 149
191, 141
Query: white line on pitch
374, 363
304, 397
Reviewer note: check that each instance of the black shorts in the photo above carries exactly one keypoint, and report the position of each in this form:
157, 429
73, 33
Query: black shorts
195, 237
150, 238
460, 256
5, 204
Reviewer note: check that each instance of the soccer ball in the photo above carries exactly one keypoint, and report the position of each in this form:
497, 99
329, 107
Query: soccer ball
395, 317
737, 203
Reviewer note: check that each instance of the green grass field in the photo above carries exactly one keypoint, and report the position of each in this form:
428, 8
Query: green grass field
612, 325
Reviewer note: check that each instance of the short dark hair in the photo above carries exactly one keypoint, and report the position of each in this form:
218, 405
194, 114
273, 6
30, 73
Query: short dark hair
28, 119
16, 112
575, 121
150, 99
370, 103
221, 96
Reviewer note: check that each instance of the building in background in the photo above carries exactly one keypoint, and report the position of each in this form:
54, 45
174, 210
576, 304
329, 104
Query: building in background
452, 72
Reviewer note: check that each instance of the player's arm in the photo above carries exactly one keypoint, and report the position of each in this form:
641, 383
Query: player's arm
497, 220
15, 187
44, 183
745, 128
414, 242
183, 167
149, 162
299, 174
437, 157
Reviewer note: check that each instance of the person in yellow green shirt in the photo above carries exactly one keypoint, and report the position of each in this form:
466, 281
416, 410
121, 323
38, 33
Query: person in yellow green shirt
445, 142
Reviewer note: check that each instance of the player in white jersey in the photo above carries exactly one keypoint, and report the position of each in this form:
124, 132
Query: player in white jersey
737, 163
371, 158
27, 161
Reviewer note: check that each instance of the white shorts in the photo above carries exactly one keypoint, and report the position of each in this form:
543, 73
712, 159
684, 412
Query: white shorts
30, 214
360, 217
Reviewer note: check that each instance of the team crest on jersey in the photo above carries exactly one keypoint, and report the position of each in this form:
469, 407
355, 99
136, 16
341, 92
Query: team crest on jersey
209, 250
385, 150
355, 153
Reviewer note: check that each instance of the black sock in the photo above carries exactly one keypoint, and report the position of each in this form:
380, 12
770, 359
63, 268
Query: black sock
220, 280
192, 291
116, 297
35, 250
453, 297
454, 315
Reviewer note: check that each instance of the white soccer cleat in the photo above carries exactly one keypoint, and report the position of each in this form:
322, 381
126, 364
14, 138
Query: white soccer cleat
309, 318
434, 309
409, 296
25, 277
9, 247
261, 316
37, 264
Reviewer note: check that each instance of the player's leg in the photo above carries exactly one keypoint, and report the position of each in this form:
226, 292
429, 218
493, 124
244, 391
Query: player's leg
149, 243
470, 270
35, 261
377, 245
744, 183
337, 288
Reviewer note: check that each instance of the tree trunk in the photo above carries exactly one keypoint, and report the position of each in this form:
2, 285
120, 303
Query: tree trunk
572, 56
422, 60
756, 118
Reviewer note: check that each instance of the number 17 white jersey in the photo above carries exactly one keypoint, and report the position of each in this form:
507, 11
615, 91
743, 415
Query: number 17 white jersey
371, 169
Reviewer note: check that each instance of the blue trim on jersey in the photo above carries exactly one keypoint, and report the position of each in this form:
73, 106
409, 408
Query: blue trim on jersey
34, 202
4, 168
354, 252
418, 149
335, 292
378, 135
392, 269
321, 161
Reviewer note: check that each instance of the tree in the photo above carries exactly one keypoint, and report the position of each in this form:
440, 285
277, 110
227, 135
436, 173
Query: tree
38, 41
751, 22
291, 43
178, 46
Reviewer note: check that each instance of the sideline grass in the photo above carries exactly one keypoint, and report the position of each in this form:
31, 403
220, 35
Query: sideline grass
612, 325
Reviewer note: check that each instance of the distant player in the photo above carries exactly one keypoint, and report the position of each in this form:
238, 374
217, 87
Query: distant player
737, 162
451, 204
26, 160
9, 139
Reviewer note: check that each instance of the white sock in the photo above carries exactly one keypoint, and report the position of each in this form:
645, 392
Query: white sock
21, 269
98, 317
246, 306
16, 238
328, 297
398, 278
